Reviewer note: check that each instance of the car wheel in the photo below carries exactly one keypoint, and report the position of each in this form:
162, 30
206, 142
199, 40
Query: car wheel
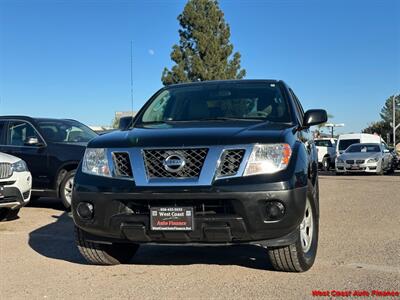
380, 171
391, 169
300, 256
66, 187
326, 164
7, 214
104, 254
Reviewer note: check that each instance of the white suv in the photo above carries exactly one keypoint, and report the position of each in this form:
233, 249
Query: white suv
15, 186
326, 148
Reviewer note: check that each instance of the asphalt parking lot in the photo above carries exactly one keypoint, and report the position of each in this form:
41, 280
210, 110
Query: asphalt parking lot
358, 250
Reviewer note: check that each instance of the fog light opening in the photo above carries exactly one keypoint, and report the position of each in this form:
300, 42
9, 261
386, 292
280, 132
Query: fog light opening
85, 210
274, 211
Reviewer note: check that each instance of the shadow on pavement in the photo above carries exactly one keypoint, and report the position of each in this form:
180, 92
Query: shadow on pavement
44, 202
56, 241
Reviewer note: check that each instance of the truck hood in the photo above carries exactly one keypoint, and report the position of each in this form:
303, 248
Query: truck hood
196, 134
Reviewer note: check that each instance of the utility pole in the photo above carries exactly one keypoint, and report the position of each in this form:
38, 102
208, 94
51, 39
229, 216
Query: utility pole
394, 120
393, 123
332, 126
132, 78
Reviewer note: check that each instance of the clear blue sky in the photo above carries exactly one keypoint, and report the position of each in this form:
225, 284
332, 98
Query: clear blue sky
72, 58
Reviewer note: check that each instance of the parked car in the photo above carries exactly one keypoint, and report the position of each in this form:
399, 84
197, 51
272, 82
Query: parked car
52, 149
368, 158
15, 186
326, 148
219, 162
346, 140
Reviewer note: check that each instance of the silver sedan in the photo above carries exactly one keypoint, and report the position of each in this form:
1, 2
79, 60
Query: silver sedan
369, 158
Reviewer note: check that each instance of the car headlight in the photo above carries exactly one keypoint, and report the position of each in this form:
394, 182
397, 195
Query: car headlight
268, 159
95, 162
372, 160
19, 166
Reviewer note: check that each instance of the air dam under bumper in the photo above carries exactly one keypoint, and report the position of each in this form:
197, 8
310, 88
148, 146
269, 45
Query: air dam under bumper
219, 217
13, 198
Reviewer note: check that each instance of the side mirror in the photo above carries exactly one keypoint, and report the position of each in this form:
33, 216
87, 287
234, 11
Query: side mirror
314, 117
125, 122
32, 141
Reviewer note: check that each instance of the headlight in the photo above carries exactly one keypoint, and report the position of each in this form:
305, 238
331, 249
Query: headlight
95, 162
268, 159
372, 160
339, 161
19, 166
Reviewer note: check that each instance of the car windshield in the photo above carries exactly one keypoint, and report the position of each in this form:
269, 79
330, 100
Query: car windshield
363, 148
244, 101
66, 131
344, 144
323, 143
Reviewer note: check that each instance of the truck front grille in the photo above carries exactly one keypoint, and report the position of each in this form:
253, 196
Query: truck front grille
230, 162
204, 207
122, 164
155, 159
5, 170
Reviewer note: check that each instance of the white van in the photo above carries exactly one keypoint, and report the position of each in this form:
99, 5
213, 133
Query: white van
346, 140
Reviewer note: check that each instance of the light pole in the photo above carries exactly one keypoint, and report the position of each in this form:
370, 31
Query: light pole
393, 124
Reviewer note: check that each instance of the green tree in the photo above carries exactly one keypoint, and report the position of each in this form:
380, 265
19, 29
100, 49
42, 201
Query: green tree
115, 122
383, 127
387, 110
380, 127
204, 51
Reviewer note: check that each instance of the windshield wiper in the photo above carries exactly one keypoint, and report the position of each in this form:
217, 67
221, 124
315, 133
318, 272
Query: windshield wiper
153, 122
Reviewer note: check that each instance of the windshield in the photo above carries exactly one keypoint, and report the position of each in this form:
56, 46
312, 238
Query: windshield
66, 131
247, 101
344, 144
323, 143
363, 148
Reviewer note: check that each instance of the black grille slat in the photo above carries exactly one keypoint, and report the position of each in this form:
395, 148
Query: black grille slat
230, 162
200, 207
122, 164
5, 170
350, 161
194, 160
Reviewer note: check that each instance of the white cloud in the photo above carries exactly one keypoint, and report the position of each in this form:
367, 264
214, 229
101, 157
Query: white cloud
152, 52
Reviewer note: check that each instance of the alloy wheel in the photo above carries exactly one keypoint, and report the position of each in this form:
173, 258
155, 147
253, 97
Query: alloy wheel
306, 228
68, 189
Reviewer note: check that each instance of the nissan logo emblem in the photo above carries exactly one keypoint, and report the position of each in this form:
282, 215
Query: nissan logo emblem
174, 163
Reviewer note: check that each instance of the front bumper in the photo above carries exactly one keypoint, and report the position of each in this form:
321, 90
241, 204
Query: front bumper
220, 216
16, 190
357, 168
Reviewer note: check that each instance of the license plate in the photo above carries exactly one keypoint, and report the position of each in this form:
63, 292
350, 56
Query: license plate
1, 192
171, 218
355, 167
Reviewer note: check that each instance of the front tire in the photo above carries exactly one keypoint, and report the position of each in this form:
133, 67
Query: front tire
104, 254
7, 214
66, 188
299, 256
326, 164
